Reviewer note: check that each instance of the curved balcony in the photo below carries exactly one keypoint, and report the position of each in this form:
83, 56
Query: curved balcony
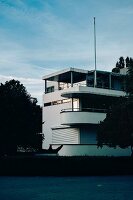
88, 116
80, 91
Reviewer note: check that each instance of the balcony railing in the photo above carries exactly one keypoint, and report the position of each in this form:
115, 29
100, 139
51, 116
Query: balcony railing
85, 85
84, 110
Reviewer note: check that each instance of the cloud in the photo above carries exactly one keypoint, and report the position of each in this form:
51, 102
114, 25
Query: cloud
41, 37
35, 87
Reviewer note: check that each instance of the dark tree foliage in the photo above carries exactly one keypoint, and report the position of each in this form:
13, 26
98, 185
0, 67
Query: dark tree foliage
127, 60
129, 77
117, 128
122, 63
116, 70
20, 118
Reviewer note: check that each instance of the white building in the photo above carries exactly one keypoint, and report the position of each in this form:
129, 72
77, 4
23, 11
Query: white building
73, 107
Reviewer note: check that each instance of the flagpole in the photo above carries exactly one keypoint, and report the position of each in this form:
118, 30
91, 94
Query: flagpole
95, 53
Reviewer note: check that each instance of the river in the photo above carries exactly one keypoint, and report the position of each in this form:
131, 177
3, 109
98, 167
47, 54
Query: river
66, 188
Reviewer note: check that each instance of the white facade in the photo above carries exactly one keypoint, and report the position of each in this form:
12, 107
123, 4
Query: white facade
73, 107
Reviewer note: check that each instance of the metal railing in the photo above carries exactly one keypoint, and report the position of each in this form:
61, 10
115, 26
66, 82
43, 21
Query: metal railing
86, 85
84, 110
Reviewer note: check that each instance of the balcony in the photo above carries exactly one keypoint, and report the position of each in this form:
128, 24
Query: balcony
88, 116
82, 90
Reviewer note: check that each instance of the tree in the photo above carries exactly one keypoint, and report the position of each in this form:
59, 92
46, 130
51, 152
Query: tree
129, 77
20, 118
127, 60
119, 65
116, 69
117, 128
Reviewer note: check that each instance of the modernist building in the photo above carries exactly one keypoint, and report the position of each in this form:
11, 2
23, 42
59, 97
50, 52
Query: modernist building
74, 103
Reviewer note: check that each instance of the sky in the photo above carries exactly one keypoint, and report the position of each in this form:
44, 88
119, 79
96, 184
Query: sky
38, 37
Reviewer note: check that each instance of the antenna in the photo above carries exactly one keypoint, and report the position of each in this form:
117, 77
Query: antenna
95, 53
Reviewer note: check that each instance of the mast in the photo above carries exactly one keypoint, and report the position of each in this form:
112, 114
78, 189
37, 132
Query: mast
95, 53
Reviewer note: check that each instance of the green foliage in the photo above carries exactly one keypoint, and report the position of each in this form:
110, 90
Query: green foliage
20, 118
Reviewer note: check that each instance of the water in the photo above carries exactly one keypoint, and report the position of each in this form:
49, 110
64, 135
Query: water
66, 188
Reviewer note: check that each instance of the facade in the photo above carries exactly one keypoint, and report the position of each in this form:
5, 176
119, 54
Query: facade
73, 107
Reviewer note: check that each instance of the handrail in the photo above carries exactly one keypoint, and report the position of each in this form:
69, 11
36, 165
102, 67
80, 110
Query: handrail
85, 85
84, 110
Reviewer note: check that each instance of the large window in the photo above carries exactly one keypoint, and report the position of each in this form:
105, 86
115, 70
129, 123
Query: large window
103, 80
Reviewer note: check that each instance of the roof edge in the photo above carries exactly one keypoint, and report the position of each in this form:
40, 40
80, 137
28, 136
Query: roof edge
64, 71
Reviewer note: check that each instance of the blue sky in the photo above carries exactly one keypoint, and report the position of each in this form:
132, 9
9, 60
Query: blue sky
38, 37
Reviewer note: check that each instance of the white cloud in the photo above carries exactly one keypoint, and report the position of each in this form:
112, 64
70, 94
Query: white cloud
35, 41
35, 87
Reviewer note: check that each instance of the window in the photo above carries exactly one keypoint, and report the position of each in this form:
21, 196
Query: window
57, 102
47, 104
50, 89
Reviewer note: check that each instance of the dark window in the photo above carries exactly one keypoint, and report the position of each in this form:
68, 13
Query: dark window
50, 89
47, 104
